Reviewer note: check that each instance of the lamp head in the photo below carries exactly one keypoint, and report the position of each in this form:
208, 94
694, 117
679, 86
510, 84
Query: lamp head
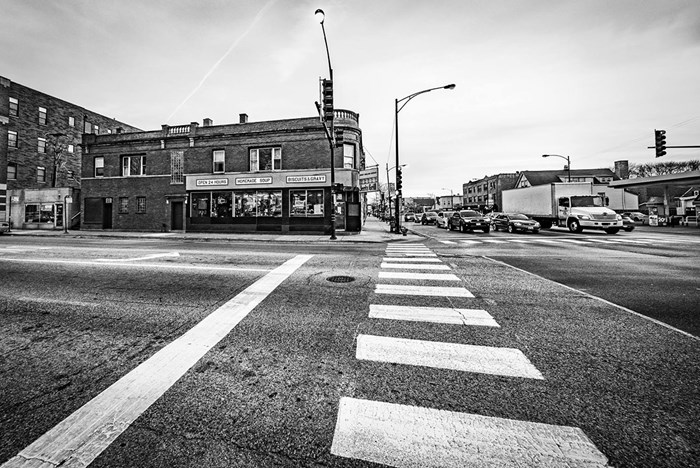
449, 86
320, 15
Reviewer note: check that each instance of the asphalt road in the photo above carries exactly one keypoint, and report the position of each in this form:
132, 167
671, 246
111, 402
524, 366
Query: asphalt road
79, 315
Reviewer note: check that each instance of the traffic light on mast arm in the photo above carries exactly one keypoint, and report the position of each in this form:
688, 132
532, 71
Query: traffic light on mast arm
399, 182
339, 138
660, 142
327, 98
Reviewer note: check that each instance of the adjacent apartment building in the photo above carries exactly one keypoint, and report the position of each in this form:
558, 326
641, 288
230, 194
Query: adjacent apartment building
485, 194
40, 155
271, 176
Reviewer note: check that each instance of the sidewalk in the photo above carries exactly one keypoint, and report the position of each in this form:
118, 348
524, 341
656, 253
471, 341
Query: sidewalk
373, 230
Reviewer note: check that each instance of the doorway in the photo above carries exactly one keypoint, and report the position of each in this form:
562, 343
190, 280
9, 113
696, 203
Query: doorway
176, 216
107, 213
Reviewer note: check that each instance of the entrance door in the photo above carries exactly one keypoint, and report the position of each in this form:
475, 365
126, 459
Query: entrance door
340, 215
107, 214
176, 216
58, 215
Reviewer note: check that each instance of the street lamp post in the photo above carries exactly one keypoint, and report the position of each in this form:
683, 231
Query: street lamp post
321, 16
568, 163
397, 109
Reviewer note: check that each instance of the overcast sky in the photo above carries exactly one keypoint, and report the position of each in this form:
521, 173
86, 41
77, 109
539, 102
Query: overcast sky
591, 79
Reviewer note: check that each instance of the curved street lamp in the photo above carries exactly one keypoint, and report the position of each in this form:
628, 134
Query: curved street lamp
321, 17
568, 163
397, 109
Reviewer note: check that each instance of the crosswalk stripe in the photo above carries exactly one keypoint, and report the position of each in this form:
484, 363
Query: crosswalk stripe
474, 317
422, 249
464, 241
410, 436
405, 259
448, 242
496, 241
574, 241
409, 290
414, 266
408, 254
418, 276
509, 362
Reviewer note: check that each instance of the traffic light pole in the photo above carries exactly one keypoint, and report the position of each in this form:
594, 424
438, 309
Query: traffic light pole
398, 189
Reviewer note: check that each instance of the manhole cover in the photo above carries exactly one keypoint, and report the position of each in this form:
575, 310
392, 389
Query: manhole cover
340, 279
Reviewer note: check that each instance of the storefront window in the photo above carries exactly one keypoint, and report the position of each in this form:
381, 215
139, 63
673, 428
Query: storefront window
38, 213
200, 204
269, 203
246, 203
306, 202
222, 206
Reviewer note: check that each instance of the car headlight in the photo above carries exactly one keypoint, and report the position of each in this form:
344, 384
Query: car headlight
619, 218
584, 217
518, 224
487, 220
537, 225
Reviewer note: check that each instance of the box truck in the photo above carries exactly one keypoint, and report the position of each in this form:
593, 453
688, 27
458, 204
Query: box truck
575, 205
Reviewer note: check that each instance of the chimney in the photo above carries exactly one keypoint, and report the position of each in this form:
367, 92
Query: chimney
242, 118
622, 169
207, 122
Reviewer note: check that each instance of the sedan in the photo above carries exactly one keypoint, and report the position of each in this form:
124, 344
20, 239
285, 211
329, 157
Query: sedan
443, 217
468, 221
409, 217
429, 217
514, 222
627, 223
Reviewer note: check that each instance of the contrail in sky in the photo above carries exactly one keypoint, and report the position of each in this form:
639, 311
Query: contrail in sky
218, 62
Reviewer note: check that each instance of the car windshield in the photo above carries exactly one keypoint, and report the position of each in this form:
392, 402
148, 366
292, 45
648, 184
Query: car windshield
469, 213
431, 213
518, 216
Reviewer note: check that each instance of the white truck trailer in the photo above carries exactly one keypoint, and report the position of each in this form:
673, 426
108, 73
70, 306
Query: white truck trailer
575, 205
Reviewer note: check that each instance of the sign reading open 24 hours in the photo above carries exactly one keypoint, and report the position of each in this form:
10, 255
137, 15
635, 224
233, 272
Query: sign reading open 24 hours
253, 180
305, 179
205, 182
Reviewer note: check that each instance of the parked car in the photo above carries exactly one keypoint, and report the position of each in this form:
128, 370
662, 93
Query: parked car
410, 216
443, 217
636, 216
514, 222
429, 217
468, 221
4, 227
627, 223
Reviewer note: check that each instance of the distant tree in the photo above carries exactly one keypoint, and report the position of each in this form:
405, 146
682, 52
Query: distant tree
662, 168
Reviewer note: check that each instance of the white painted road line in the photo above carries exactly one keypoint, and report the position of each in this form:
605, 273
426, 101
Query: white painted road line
408, 254
447, 242
147, 257
473, 317
415, 266
410, 275
82, 436
421, 290
411, 436
464, 241
509, 362
575, 241
176, 266
404, 259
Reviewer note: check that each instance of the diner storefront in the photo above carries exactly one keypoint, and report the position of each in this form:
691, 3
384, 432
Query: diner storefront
274, 201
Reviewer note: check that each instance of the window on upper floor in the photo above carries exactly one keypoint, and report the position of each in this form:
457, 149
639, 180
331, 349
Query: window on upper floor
42, 116
71, 148
177, 167
88, 127
14, 107
11, 139
41, 145
96, 129
219, 161
265, 159
71, 121
11, 171
99, 166
133, 166
40, 174
348, 156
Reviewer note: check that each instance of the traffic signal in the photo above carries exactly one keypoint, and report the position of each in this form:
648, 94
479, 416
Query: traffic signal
338, 137
660, 137
327, 98
399, 182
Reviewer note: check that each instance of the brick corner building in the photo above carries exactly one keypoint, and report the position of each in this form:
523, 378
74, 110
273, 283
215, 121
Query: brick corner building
271, 176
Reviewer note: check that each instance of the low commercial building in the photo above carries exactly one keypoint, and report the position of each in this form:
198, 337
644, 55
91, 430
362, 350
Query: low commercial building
485, 194
272, 176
